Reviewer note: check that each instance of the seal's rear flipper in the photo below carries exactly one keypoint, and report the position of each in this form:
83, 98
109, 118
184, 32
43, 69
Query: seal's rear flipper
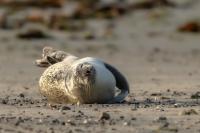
50, 56
42, 63
47, 51
51, 60
121, 84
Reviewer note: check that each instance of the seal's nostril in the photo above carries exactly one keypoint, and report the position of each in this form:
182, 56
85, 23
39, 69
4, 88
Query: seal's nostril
87, 73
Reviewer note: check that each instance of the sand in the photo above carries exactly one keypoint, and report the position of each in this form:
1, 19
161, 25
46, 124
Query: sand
161, 65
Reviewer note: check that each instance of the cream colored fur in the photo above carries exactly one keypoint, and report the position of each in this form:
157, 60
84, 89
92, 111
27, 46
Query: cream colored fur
52, 83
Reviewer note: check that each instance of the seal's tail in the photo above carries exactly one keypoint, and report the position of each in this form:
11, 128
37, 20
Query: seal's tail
121, 84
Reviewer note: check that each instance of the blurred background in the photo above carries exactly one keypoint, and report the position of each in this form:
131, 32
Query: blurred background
154, 43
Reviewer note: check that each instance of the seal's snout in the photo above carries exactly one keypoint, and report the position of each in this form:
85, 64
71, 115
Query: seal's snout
86, 70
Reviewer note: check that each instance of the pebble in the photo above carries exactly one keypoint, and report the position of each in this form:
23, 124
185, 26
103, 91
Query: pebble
40, 121
196, 95
159, 108
55, 121
161, 119
104, 116
80, 112
71, 123
126, 123
65, 108
63, 123
4, 101
189, 112
176, 105
133, 109
85, 121
122, 117
21, 95
133, 118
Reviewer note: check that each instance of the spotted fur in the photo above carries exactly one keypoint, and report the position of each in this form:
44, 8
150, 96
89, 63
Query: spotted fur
86, 80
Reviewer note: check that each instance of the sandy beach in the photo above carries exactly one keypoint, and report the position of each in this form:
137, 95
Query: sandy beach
161, 65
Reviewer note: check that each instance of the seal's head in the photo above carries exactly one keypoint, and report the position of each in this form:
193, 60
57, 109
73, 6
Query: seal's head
82, 77
85, 73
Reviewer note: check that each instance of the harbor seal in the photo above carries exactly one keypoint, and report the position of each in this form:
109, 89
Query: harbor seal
69, 79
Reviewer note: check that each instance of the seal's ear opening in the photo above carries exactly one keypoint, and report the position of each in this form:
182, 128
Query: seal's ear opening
51, 60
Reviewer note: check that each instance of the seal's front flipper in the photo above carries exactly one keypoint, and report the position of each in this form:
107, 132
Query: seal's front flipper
43, 62
51, 60
121, 83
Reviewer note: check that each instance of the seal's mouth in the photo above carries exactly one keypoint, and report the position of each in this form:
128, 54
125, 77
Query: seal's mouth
88, 72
